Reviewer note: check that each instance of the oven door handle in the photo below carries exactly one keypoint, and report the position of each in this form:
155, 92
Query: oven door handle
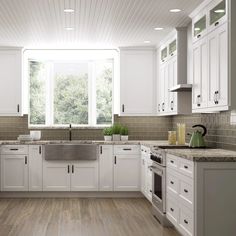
156, 170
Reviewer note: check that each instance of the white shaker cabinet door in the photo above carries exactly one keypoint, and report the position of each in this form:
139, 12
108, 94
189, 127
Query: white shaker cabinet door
10, 83
137, 82
84, 176
56, 176
127, 173
200, 74
14, 172
35, 168
106, 168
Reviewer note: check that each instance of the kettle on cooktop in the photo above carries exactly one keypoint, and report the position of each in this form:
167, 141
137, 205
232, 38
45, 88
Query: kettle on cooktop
197, 139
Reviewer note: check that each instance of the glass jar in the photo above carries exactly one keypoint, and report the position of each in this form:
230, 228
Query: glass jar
181, 127
172, 137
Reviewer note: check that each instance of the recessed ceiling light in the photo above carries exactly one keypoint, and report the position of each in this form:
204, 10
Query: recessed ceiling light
68, 10
147, 41
158, 28
69, 28
175, 10
219, 11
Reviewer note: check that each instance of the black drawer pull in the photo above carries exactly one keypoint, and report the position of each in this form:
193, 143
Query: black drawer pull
186, 167
172, 162
185, 221
171, 182
199, 36
14, 149
185, 190
150, 191
127, 149
25, 160
172, 209
217, 23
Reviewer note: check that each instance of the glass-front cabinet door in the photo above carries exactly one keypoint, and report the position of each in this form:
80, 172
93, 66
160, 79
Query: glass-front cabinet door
164, 54
217, 13
199, 27
172, 48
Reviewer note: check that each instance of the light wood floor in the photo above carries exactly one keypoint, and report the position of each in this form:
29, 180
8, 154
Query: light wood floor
83, 217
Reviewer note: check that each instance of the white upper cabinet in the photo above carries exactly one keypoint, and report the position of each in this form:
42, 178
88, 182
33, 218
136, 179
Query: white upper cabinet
172, 66
11, 82
212, 58
137, 81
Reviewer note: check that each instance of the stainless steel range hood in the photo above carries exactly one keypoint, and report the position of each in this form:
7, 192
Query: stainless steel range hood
181, 88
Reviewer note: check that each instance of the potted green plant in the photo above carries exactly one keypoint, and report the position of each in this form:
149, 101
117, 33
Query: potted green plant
124, 134
116, 132
107, 132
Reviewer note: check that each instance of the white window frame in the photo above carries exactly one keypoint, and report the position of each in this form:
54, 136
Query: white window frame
92, 104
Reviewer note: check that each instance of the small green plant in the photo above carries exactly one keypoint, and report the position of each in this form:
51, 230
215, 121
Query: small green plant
107, 131
116, 129
124, 131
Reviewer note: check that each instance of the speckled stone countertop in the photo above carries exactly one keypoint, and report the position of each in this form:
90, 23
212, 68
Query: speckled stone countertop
204, 155
99, 142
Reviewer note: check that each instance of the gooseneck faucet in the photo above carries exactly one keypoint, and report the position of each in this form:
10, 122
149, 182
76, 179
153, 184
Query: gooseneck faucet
70, 132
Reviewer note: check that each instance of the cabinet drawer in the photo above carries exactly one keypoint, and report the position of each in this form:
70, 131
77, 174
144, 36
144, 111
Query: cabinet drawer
186, 221
172, 210
186, 193
126, 149
14, 149
186, 167
172, 162
172, 182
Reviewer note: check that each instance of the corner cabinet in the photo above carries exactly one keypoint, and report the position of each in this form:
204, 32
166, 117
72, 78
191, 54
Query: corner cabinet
11, 82
213, 55
172, 64
137, 81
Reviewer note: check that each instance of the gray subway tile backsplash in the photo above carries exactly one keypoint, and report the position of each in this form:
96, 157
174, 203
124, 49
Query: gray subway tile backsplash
221, 133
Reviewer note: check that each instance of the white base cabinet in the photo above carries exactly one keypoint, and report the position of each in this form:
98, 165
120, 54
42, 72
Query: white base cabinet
106, 164
126, 168
70, 176
35, 168
14, 168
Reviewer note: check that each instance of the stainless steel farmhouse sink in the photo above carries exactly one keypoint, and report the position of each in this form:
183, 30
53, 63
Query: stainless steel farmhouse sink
70, 151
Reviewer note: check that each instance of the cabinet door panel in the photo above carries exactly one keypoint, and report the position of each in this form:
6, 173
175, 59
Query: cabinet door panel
10, 89
35, 168
137, 82
14, 173
106, 168
56, 176
126, 173
84, 176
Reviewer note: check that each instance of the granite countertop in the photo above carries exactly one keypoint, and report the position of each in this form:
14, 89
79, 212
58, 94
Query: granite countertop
147, 143
204, 154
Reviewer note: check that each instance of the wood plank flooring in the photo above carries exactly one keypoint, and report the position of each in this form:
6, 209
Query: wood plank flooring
80, 217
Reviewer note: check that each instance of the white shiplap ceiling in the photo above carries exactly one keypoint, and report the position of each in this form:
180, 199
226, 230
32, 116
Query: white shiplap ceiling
97, 23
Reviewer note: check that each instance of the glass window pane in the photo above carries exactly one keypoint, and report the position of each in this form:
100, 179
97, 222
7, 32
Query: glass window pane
104, 75
71, 93
217, 12
37, 78
200, 25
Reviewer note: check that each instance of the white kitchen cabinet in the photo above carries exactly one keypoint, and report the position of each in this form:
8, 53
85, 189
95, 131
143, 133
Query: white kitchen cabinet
35, 168
126, 168
143, 173
200, 74
84, 176
137, 81
106, 168
218, 67
14, 172
14, 168
56, 176
173, 72
11, 82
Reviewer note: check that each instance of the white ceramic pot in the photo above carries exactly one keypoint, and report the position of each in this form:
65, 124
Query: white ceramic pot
107, 137
116, 137
124, 137
35, 134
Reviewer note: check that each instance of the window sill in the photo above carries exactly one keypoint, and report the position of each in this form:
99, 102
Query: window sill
36, 127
